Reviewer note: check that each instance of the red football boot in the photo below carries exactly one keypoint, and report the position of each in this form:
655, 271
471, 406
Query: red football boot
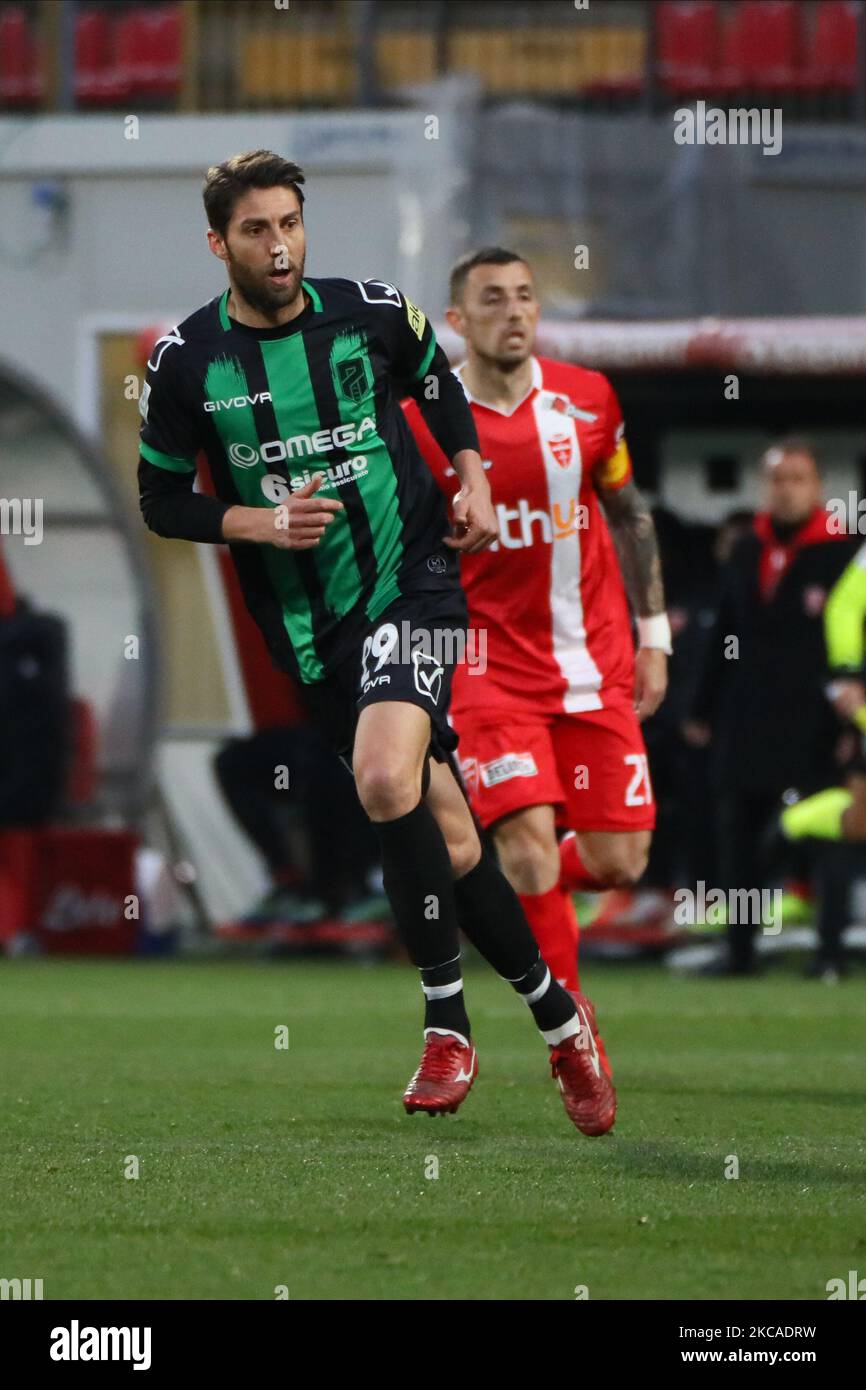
443, 1079
588, 1005
587, 1092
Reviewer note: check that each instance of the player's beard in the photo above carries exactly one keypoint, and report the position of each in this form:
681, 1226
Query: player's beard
506, 365
259, 293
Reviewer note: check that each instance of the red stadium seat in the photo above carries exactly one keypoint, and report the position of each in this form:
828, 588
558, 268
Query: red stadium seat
131, 53
687, 40
21, 76
166, 51
148, 52
761, 47
96, 79
831, 64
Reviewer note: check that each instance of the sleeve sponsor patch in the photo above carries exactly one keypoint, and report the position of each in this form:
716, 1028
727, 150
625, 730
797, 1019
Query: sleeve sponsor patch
508, 766
417, 320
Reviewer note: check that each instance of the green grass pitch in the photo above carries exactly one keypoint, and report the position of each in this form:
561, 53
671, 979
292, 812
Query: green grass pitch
262, 1167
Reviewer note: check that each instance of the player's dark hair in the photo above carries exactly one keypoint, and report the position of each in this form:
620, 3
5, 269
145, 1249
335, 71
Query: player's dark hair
488, 255
227, 182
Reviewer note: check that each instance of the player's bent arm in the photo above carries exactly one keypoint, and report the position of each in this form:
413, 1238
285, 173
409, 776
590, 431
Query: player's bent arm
290, 526
470, 470
634, 534
170, 507
474, 515
845, 617
443, 404
844, 620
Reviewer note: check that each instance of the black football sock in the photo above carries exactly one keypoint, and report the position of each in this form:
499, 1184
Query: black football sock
490, 915
417, 876
547, 999
443, 995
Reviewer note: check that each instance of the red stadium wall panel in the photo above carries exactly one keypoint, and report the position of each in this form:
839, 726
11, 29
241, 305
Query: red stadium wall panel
777, 346
73, 890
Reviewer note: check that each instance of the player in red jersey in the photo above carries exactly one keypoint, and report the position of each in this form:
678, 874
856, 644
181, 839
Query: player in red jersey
549, 711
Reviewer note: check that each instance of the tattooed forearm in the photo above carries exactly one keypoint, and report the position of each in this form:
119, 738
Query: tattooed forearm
634, 536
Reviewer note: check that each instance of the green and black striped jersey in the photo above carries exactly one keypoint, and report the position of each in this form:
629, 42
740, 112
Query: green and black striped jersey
269, 407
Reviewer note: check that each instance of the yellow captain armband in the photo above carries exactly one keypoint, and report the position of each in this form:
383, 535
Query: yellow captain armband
616, 470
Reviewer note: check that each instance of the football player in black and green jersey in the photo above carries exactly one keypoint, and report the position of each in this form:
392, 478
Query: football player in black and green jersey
289, 387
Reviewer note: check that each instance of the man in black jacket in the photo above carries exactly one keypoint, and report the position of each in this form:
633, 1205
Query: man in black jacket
761, 699
35, 731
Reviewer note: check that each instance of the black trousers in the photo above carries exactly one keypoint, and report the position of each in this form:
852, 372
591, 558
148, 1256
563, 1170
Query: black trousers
740, 826
837, 867
833, 869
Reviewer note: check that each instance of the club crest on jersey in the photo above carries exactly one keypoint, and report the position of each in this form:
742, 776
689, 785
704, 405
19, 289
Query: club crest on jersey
428, 674
562, 448
814, 600
354, 379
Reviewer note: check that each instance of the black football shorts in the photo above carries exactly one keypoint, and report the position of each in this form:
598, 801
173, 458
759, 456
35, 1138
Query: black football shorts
408, 653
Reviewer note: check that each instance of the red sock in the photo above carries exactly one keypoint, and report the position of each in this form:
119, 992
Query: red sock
573, 872
554, 925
